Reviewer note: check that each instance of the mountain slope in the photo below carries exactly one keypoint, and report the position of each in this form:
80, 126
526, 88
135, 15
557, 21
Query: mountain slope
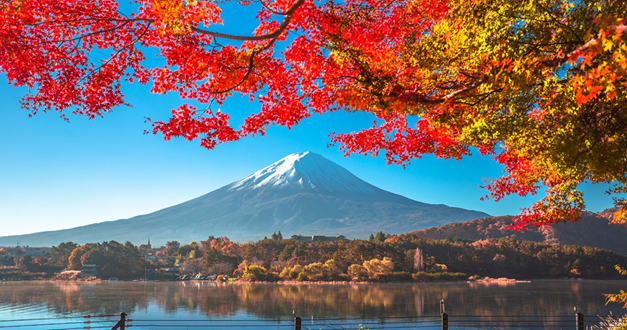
592, 230
300, 194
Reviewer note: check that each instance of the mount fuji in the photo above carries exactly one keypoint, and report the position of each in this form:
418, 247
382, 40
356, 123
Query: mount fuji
303, 193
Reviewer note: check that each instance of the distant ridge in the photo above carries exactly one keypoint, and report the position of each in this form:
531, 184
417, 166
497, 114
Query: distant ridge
303, 193
592, 230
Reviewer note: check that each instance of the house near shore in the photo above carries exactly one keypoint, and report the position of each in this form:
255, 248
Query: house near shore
167, 261
37, 251
317, 238
29, 251
6, 259
89, 270
170, 270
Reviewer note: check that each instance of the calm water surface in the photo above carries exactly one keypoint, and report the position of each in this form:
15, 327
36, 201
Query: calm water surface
545, 304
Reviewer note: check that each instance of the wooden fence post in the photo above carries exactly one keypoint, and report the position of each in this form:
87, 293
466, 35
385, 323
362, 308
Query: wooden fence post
121, 324
579, 318
444, 315
297, 323
122, 321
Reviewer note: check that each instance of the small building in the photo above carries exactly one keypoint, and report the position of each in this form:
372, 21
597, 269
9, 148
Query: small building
37, 251
317, 238
170, 270
168, 261
89, 270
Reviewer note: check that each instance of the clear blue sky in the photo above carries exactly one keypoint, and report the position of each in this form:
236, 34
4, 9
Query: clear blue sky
56, 175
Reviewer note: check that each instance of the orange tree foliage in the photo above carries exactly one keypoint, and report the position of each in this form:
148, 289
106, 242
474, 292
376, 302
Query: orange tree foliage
539, 85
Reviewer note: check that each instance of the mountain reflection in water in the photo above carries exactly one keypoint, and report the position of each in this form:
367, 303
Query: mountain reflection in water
277, 301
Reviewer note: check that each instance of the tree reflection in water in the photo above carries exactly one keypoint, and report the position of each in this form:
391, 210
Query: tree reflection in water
276, 301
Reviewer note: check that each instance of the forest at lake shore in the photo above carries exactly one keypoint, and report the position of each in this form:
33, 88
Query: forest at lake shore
382, 258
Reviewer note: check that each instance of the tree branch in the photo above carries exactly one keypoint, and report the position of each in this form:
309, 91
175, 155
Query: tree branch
248, 72
559, 60
273, 35
556, 61
132, 43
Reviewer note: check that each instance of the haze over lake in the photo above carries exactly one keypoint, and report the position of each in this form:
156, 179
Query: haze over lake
180, 305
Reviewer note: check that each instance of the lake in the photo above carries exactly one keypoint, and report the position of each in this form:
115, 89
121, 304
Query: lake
546, 304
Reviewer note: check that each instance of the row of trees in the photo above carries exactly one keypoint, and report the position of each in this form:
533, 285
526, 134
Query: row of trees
113, 259
273, 259
329, 270
405, 257
56, 261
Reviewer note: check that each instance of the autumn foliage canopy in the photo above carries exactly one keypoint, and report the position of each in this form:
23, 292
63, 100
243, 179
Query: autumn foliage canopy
539, 85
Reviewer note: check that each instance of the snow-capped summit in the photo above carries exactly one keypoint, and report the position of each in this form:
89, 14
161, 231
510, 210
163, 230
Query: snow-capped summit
305, 170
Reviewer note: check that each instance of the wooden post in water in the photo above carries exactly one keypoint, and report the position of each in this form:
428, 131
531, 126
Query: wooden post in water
578, 320
297, 323
444, 315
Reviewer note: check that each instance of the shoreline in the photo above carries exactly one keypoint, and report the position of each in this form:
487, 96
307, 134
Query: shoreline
482, 281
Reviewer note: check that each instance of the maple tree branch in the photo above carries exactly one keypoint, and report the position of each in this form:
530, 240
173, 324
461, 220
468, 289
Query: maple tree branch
552, 16
108, 19
468, 75
124, 23
248, 72
273, 35
453, 94
99, 32
559, 60
482, 97
556, 20
132, 43
545, 44
204, 112
270, 9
